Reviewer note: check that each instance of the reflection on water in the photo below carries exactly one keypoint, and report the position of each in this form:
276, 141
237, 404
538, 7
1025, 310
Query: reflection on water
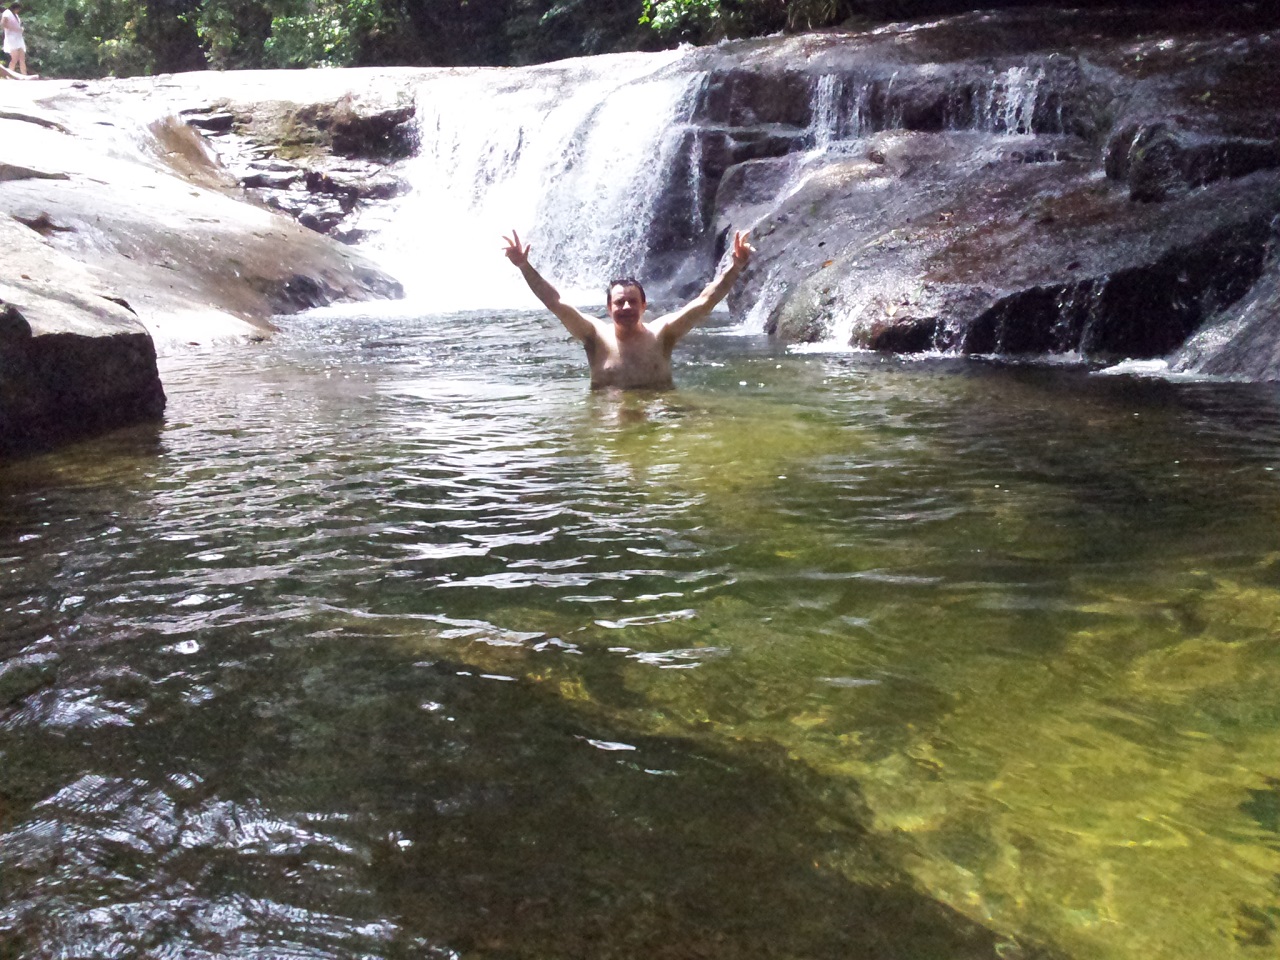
395, 640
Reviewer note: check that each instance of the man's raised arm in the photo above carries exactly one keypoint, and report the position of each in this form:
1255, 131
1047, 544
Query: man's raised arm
697, 310
576, 322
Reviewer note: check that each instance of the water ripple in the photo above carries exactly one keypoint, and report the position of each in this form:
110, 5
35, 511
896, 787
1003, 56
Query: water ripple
331, 658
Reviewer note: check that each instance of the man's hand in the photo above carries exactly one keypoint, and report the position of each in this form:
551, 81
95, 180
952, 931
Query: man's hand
517, 254
676, 325
578, 324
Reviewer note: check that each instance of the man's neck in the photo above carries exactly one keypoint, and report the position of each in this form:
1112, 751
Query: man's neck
628, 331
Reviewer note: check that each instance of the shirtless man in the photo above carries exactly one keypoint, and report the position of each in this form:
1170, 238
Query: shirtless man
629, 352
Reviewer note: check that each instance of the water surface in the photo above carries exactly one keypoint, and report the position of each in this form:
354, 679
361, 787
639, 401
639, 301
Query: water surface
393, 640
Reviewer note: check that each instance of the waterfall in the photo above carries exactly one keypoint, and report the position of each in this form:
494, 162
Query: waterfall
1010, 105
826, 111
603, 168
695, 185
572, 155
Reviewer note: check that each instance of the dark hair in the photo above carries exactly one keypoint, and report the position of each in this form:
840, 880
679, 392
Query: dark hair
624, 282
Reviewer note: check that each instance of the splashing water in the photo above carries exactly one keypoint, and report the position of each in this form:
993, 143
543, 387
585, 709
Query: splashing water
1010, 104
572, 156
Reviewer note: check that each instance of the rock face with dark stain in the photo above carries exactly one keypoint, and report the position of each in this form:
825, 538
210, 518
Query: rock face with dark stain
1243, 341
71, 364
1019, 182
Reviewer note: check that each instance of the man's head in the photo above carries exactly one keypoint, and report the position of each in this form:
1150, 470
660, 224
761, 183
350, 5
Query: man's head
626, 301
15, 7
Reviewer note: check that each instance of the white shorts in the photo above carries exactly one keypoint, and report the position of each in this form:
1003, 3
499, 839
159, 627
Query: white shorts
18, 47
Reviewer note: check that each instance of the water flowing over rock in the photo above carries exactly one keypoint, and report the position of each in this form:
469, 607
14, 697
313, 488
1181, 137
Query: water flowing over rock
1019, 183
1090, 183
575, 156
1242, 342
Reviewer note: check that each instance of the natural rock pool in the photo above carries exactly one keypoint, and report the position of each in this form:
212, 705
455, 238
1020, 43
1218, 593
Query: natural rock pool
395, 641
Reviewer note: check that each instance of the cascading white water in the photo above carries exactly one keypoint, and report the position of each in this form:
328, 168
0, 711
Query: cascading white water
826, 111
572, 155
576, 155
1010, 105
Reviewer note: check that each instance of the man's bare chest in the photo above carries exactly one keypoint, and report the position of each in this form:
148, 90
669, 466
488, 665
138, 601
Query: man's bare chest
636, 361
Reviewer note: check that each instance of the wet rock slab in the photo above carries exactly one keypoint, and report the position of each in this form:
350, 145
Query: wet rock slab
1039, 258
1022, 182
1243, 342
323, 164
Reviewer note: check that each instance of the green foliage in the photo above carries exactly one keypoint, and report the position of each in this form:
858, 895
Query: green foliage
92, 38
234, 33
541, 30
667, 16
701, 20
328, 33
85, 38
88, 38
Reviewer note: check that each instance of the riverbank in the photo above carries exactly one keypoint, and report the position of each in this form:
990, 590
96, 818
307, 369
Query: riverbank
120, 214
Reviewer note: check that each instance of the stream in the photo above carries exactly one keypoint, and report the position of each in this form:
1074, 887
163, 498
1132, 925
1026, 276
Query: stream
394, 640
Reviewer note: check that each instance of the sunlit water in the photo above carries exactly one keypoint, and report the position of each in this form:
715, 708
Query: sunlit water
395, 641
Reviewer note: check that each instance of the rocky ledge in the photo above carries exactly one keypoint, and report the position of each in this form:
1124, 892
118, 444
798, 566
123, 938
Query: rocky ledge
324, 164
124, 232
1022, 182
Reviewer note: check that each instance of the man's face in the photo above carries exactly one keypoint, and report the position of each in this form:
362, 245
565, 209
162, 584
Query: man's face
626, 305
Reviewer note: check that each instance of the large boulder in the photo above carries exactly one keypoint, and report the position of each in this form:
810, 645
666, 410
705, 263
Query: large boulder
1035, 258
74, 359
1015, 183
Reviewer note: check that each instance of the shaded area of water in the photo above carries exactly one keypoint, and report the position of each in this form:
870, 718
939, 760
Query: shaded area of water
394, 640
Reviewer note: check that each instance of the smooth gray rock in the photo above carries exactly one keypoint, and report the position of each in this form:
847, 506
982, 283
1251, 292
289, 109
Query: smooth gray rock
123, 233
1016, 182
71, 363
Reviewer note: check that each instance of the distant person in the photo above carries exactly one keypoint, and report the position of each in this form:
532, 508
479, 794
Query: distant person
629, 353
14, 44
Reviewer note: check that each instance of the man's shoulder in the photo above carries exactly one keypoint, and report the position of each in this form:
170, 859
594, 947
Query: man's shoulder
601, 327
658, 323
